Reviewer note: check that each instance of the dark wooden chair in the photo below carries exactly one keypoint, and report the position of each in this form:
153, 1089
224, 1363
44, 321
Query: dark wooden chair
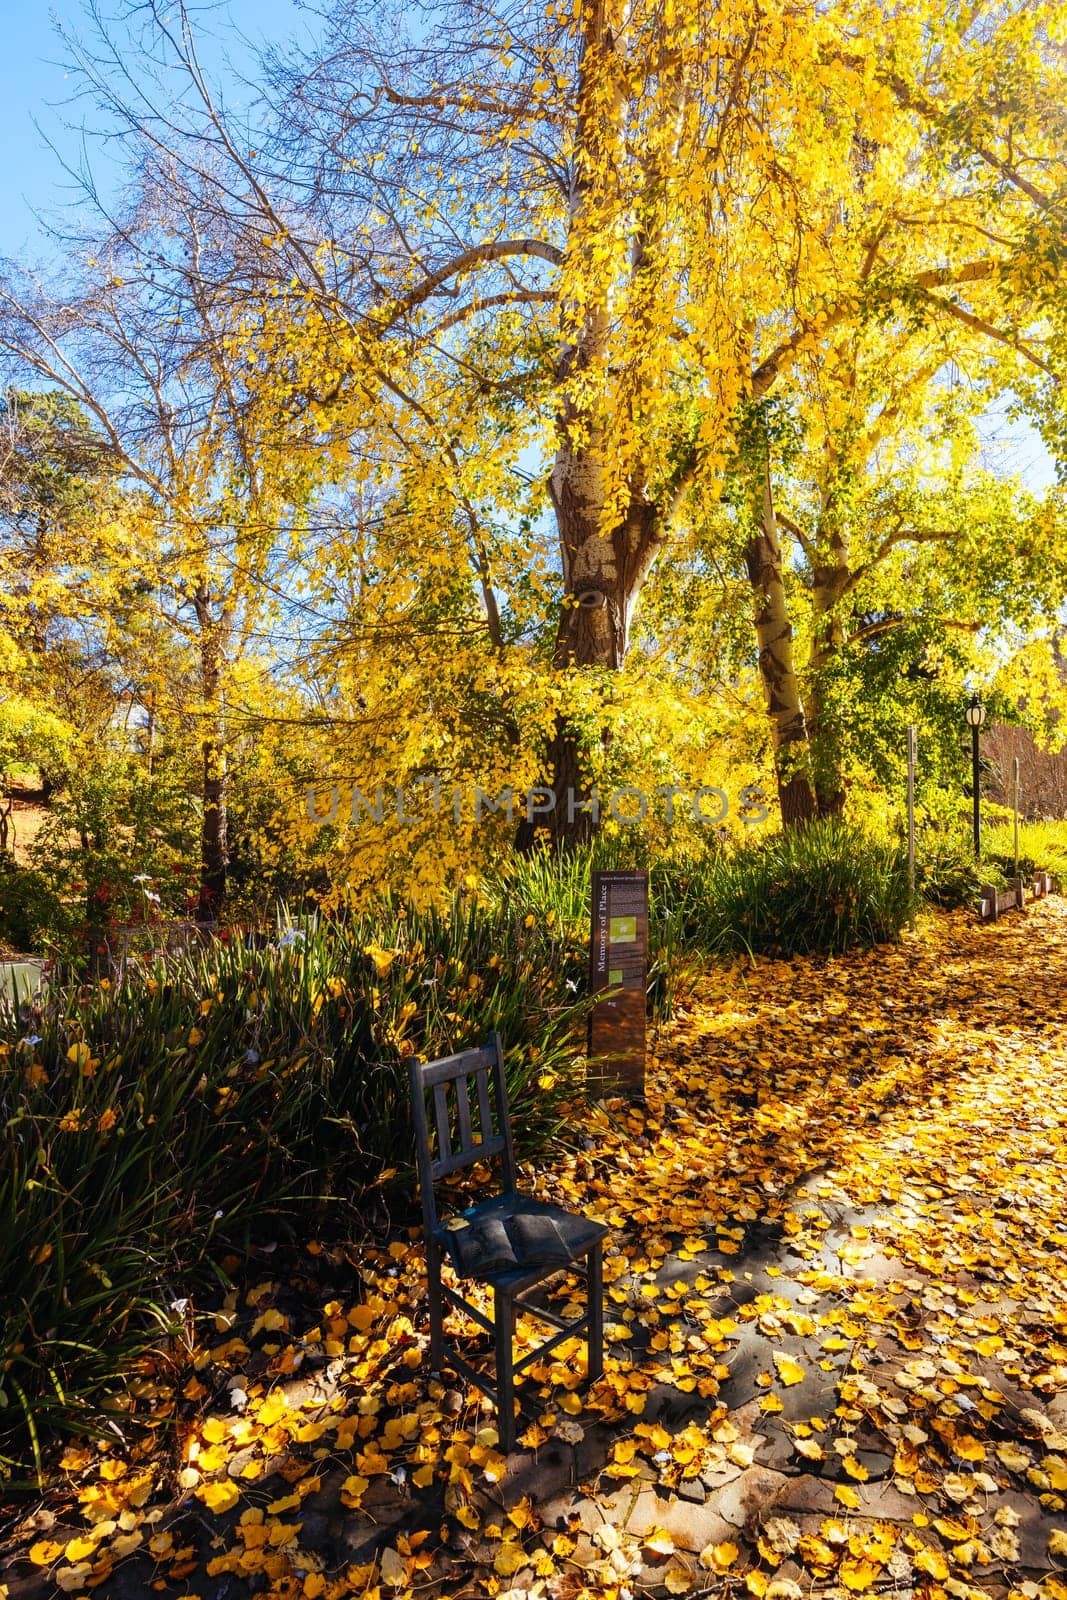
511, 1242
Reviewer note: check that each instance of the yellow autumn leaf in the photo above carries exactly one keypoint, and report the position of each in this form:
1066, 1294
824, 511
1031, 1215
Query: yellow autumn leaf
848, 1496
509, 1559
815, 1552
220, 1496
70, 1579
353, 1489
1057, 1542
858, 1574
931, 1562
968, 1448
953, 1529
44, 1552
877, 1545
288, 1502
522, 1515
811, 1449
658, 1542
77, 1549
789, 1371
393, 1567
719, 1557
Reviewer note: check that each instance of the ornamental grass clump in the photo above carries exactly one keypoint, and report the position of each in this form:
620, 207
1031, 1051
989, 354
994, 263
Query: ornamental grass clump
828, 886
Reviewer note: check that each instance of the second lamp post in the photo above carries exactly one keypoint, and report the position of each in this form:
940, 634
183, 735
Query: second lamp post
975, 718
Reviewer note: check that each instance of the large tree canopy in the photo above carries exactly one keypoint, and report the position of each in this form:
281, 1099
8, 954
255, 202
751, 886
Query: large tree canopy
425, 364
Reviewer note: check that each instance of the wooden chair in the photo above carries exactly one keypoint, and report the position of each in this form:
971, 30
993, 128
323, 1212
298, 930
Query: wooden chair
510, 1241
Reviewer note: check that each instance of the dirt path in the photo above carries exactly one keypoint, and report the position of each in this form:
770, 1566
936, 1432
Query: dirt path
837, 1325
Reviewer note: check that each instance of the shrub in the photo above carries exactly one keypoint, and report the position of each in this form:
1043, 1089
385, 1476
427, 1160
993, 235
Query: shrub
28, 907
148, 1128
946, 872
823, 887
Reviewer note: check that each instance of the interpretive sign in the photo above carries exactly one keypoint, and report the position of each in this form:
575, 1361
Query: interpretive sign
19, 980
618, 968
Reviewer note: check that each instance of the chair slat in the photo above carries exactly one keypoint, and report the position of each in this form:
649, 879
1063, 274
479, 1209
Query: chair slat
444, 1137
484, 1111
464, 1158
463, 1112
434, 1072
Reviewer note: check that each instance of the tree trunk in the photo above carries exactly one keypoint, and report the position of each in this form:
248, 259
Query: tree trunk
214, 843
777, 668
606, 553
603, 573
830, 580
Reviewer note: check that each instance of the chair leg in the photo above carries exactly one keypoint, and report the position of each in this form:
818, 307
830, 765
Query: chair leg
504, 1324
594, 1267
437, 1306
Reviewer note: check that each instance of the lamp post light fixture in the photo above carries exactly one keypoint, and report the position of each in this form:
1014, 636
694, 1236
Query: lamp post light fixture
975, 715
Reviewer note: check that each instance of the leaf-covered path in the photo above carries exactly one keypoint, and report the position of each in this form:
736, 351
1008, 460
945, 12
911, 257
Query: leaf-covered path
838, 1336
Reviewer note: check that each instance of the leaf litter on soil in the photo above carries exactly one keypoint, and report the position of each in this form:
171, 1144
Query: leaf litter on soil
836, 1337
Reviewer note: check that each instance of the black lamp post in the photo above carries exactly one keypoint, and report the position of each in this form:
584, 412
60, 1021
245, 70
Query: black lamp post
975, 717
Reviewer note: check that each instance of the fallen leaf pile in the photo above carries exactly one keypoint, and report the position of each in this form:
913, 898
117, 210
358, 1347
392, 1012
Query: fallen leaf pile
836, 1322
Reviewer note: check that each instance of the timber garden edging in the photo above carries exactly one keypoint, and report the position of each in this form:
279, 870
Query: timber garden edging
994, 902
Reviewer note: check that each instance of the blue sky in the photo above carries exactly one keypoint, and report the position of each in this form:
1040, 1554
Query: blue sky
34, 84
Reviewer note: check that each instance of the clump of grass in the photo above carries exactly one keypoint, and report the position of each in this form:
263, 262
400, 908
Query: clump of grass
824, 887
946, 871
1042, 847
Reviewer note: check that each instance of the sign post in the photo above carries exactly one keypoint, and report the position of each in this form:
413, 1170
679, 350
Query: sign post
1015, 809
913, 749
618, 967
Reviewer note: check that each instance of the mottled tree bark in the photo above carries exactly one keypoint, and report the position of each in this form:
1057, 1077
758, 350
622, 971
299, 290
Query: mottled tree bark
214, 836
603, 576
777, 667
829, 582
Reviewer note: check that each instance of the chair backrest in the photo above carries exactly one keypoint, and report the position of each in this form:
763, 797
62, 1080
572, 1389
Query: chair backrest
466, 1131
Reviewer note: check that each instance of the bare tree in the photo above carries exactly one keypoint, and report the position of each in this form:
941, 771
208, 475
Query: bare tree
140, 334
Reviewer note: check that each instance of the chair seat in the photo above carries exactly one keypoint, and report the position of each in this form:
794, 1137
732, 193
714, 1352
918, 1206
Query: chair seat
512, 1240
